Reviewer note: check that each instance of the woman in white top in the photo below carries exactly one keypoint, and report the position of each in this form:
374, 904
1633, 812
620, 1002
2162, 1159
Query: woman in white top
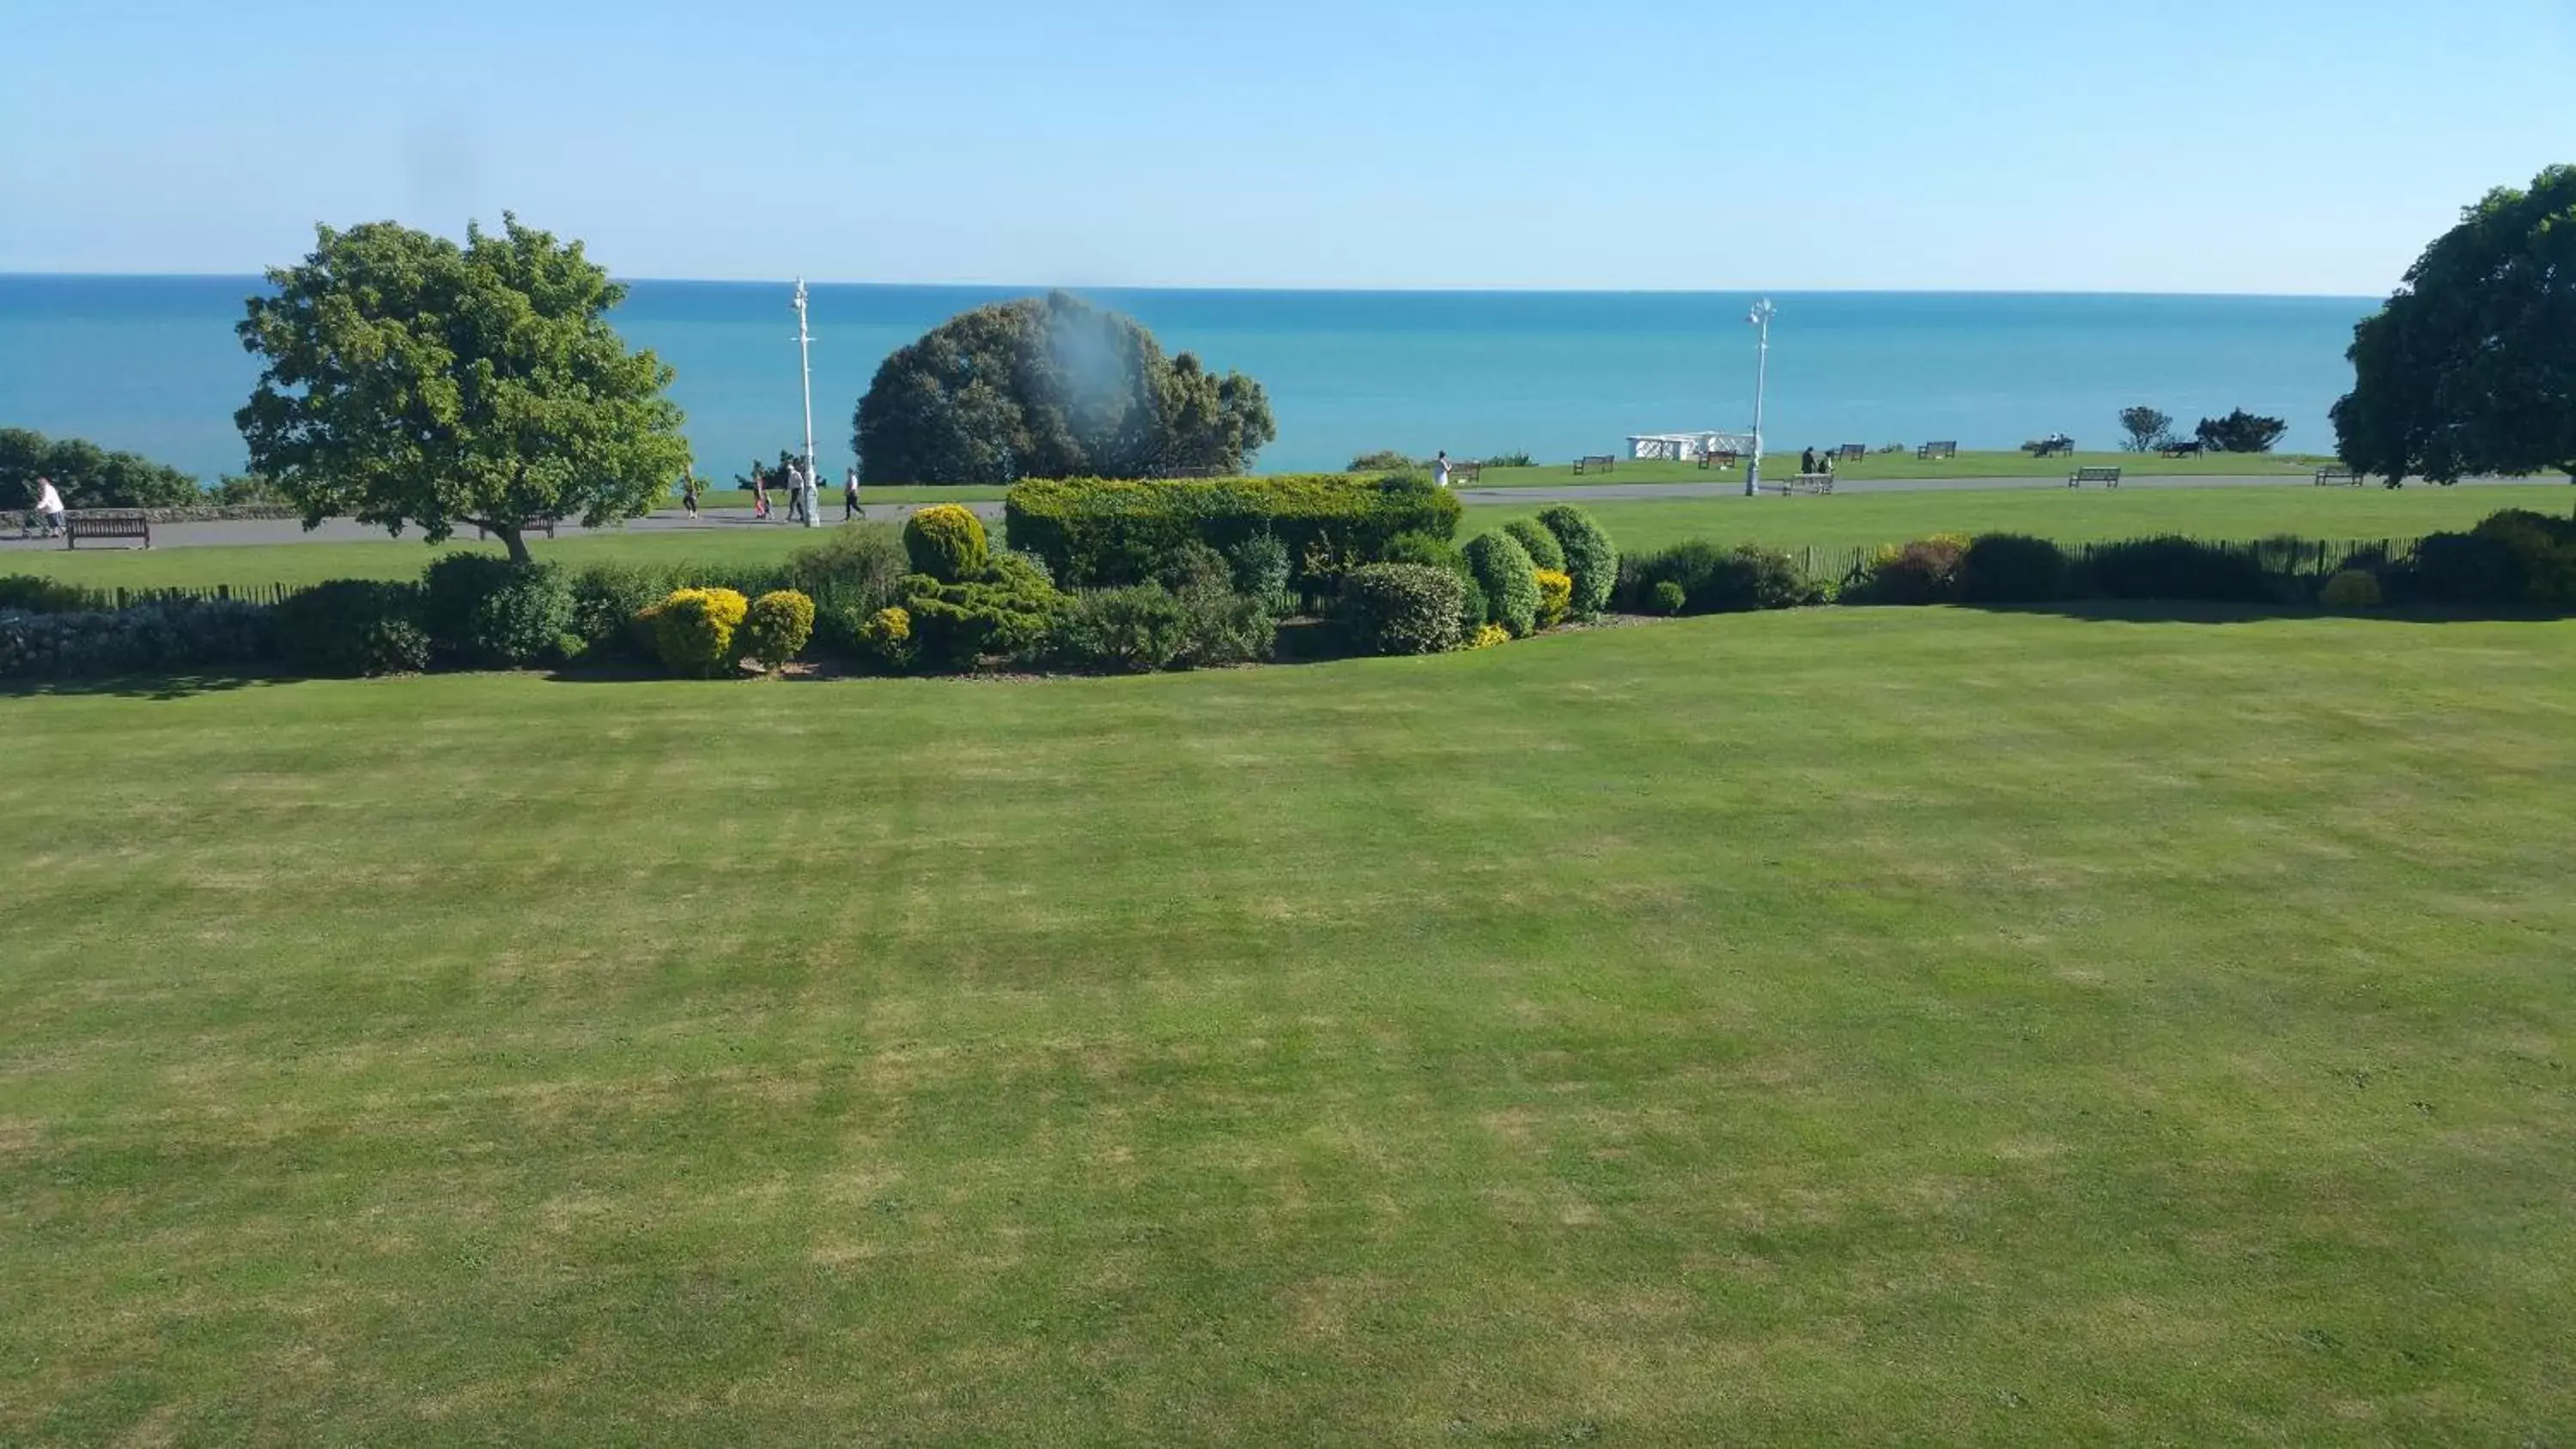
50, 504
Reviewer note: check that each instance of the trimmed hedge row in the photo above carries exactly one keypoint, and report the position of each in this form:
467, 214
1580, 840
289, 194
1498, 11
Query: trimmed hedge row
1100, 533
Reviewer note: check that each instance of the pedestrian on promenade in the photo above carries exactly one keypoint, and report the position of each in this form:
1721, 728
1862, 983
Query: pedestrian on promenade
689, 496
50, 504
850, 497
1442, 466
1807, 461
759, 494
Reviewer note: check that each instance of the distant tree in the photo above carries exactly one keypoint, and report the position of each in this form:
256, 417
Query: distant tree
2471, 367
87, 475
238, 489
1384, 460
408, 380
2147, 428
1051, 387
2240, 432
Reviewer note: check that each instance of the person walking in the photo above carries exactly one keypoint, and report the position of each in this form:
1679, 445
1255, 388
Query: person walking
689, 496
50, 504
1442, 467
850, 497
1807, 461
759, 494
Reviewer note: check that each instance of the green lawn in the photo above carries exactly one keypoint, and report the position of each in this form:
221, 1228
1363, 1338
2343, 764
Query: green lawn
1848, 1026
1904, 465
1843, 521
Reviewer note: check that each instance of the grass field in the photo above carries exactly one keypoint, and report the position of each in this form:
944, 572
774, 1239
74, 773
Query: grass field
1857, 520
1904, 465
1848, 1026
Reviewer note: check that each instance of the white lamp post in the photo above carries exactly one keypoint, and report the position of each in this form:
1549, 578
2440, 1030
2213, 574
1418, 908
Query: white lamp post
805, 355
1760, 317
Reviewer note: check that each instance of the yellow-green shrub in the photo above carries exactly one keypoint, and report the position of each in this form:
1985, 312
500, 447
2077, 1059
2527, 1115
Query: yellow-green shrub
947, 542
2351, 589
1555, 596
693, 629
777, 626
1489, 635
887, 634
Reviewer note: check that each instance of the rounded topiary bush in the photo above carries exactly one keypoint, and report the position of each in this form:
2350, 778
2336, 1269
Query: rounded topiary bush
2010, 568
1555, 596
777, 626
1590, 558
1401, 608
887, 637
1925, 571
947, 542
494, 613
1668, 598
1544, 551
2351, 589
1502, 568
694, 630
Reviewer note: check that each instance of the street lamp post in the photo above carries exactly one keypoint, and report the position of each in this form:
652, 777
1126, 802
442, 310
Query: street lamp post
1760, 317
805, 356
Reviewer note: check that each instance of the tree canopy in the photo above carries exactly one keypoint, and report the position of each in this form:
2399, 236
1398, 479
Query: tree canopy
87, 475
2471, 367
1052, 387
2240, 432
2148, 428
408, 380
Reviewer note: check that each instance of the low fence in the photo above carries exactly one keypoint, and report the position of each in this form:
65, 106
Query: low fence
105, 599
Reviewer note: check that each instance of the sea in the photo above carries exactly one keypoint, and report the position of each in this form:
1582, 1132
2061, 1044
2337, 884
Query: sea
151, 364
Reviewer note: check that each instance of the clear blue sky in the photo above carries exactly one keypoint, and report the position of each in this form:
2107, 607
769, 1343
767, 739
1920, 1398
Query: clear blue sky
2255, 146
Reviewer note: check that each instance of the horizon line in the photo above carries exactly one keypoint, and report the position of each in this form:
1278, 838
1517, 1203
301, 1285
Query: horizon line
1292, 290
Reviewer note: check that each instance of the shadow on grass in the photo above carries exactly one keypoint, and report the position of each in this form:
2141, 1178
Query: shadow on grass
143, 686
2186, 611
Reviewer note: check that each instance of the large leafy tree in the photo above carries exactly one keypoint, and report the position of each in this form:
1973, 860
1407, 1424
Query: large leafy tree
87, 475
1052, 387
411, 381
2471, 367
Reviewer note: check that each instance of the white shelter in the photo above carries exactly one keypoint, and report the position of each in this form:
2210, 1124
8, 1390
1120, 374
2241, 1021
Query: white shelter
1689, 447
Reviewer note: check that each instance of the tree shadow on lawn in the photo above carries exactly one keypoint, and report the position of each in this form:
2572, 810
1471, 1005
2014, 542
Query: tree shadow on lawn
2188, 611
142, 686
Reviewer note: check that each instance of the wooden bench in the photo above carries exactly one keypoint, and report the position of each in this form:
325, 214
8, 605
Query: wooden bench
1802, 483
92, 527
2045, 447
2107, 477
1852, 452
2338, 478
2191, 449
1721, 459
1595, 463
1933, 452
1466, 472
545, 526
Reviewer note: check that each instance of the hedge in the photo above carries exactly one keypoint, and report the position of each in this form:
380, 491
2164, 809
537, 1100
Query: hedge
1096, 533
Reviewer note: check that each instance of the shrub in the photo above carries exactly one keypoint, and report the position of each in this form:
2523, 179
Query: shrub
2463, 568
947, 542
1502, 568
29, 593
1147, 627
2173, 568
859, 564
490, 612
352, 627
1262, 572
1193, 566
1589, 556
1544, 551
886, 636
1422, 548
2009, 568
1095, 533
1488, 635
1555, 596
960, 625
1668, 597
606, 598
1384, 460
2351, 589
1401, 608
694, 630
2543, 550
161, 635
1924, 571
777, 626
1715, 580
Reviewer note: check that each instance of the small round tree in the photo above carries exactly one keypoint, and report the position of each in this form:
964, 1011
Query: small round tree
947, 542
1503, 569
1590, 556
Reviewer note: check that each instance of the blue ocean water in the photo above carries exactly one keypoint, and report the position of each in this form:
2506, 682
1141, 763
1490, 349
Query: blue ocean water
151, 363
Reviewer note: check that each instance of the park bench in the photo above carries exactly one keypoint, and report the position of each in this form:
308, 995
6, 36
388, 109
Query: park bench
1466, 472
94, 527
1720, 458
1802, 483
2192, 449
1852, 452
1595, 463
545, 526
1933, 452
2045, 447
2338, 478
2107, 477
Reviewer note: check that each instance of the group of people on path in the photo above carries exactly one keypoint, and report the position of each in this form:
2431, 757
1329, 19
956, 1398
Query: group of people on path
1810, 463
800, 497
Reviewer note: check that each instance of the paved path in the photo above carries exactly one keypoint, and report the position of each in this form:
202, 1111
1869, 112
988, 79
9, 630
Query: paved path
736, 520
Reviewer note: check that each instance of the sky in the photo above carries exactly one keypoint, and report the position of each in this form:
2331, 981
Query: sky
2259, 146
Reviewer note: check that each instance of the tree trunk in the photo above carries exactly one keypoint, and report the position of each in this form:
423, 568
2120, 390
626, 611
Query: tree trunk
511, 536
